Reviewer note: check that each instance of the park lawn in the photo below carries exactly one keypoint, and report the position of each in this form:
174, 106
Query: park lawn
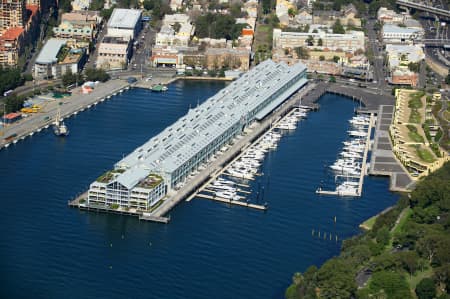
401, 222
425, 155
264, 28
416, 137
368, 224
414, 117
416, 278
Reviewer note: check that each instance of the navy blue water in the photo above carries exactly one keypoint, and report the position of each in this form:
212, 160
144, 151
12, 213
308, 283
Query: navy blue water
208, 250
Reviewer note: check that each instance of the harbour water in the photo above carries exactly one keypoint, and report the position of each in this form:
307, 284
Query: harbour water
208, 250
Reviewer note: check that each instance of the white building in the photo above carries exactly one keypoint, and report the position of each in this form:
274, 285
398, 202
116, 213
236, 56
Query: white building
394, 34
124, 23
388, 16
167, 35
404, 54
164, 162
176, 4
350, 41
55, 59
114, 52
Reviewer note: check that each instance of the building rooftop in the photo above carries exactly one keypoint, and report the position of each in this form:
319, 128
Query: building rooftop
390, 28
12, 33
190, 134
49, 52
114, 40
124, 18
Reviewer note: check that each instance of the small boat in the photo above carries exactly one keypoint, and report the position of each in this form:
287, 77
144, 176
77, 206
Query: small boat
227, 195
59, 128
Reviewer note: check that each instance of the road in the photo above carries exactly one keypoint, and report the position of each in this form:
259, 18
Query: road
69, 105
378, 63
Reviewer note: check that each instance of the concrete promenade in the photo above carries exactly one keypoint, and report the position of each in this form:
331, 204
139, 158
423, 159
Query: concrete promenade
77, 102
383, 161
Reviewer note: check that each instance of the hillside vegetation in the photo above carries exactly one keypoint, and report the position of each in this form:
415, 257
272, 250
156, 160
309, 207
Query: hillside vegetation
405, 255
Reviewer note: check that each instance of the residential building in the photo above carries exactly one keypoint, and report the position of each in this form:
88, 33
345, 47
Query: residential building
80, 4
402, 55
10, 45
114, 52
56, 58
410, 142
160, 165
282, 11
350, 41
125, 23
176, 5
347, 16
394, 34
388, 16
79, 25
167, 36
234, 58
165, 56
12, 14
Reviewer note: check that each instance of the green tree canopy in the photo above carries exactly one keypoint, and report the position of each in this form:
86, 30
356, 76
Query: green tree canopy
426, 289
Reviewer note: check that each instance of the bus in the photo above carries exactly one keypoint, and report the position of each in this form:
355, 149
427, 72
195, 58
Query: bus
7, 93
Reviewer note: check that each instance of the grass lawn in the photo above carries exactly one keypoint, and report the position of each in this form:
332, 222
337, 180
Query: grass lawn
425, 155
414, 117
405, 214
264, 28
415, 279
415, 137
415, 100
368, 224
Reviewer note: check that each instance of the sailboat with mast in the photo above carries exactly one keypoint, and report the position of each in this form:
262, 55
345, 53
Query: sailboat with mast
59, 128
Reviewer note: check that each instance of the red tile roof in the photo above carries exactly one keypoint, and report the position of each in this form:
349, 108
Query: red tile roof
33, 8
12, 33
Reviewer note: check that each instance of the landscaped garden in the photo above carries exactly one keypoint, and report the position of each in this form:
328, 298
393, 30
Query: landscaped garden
414, 135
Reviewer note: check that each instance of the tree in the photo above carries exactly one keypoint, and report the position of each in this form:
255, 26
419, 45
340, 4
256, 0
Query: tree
336, 279
391, 283
383, 236
320, 42
176, 27
68, 78
302, 52
96, 75
321, 58
65, 5
336, 59
292, 12
447, 79
428, 245
426, 289
310, 40
13, 103
409, 261
338, 28
149, 4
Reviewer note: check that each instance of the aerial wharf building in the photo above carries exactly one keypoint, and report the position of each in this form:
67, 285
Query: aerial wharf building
144, 177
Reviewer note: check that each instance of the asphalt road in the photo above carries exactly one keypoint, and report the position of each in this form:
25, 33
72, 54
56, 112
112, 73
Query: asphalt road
378, 67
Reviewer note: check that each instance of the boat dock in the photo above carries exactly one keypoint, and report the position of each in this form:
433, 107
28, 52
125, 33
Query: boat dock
212, 170
233, 202
363, 168
213, 177
71, 106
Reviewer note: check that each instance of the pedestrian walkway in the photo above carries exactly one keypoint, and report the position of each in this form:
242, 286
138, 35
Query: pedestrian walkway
383, 161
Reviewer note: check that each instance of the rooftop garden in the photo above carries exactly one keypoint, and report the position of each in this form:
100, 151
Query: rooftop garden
415, 103
424, 154
414, 135
109, 175
63, 52
151, 181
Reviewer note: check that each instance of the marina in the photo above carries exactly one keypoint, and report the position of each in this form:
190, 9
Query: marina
352, 168
225, 237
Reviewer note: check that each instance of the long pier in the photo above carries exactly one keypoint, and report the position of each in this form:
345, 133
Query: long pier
363, 167
35, 123
194, 185
216, 174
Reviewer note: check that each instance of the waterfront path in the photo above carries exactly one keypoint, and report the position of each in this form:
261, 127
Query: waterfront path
78, 101
383, 161
240, 143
